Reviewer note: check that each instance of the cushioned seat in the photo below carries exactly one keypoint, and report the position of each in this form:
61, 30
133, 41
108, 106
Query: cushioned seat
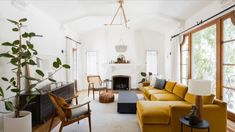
75, 113
165, 97
155, 91
153, 113
144, 89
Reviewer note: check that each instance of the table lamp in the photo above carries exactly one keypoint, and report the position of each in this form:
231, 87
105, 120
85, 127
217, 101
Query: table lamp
199, 88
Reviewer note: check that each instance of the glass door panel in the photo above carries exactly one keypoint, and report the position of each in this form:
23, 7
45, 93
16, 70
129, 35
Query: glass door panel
204, 55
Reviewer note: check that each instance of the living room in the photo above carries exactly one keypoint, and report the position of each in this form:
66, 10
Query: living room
149, 57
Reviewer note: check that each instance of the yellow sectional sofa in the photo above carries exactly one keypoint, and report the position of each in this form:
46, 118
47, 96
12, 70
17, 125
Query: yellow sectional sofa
163, 108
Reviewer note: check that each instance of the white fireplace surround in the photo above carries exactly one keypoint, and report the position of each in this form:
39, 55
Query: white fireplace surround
131, 70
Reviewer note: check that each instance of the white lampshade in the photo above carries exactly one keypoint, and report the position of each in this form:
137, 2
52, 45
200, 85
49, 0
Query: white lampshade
199, 87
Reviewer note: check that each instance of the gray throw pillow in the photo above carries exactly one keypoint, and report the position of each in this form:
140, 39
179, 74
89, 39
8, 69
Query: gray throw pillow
160, 83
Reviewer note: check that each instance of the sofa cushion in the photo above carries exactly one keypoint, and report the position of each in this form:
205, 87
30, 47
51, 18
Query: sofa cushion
205, 99
160, 83
208, 99
152, 113
169, 86
155, 91
180, 90
165, 97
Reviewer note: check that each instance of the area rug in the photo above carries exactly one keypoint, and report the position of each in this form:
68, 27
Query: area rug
105, 118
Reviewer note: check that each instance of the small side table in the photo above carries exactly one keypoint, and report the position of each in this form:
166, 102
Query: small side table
203, 125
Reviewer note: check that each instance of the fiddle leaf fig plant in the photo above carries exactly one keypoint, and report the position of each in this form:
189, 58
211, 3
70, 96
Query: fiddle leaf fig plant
21, 54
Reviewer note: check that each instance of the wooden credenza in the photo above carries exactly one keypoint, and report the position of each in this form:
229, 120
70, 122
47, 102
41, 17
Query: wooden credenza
43, 109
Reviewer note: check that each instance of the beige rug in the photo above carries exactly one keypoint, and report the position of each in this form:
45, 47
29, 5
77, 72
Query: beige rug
105, 118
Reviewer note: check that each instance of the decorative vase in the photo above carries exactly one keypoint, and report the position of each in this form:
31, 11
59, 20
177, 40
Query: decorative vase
21, 124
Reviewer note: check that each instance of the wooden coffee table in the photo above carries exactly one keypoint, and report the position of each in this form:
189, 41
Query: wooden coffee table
127, 102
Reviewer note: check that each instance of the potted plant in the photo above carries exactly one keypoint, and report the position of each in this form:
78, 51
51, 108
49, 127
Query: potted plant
146, 78
20, 55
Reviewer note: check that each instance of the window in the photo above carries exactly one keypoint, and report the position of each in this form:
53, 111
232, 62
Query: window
204, 55
211, 56
228, 64
91, 63
151, 62
184, 63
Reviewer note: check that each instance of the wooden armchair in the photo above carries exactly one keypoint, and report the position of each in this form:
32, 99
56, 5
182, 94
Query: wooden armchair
69, 114
95, 84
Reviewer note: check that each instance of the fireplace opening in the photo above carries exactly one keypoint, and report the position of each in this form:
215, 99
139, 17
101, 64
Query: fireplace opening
121, 82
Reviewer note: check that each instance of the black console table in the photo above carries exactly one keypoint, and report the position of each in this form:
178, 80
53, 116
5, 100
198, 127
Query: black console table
42, 109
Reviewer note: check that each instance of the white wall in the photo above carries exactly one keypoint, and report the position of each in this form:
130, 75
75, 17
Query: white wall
50, 45
103, 41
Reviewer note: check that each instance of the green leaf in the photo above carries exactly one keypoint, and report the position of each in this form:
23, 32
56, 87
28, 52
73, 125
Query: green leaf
143, 74
8, 88
15, 29
6, 55
23, 20
14, 50
29, 98
39, 72
25, 35
9, 106
4, 79
15, 90
35, 52
23, 64
16, 42
14, 61
56, 65
7, 44
14, 83
24, 46
1, 92
32, 62
39, 91
52, 80
143, 80
66, 66
58, 61
12, 21
30, 45
12, 79
31, 34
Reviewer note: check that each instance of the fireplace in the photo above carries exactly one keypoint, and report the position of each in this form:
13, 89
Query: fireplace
121, 82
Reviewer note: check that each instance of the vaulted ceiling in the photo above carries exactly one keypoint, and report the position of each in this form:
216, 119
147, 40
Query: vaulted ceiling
85, 15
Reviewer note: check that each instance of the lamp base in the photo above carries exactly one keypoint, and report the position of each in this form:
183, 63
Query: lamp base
198, 104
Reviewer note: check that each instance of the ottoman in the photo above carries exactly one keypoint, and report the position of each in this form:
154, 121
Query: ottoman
106, 97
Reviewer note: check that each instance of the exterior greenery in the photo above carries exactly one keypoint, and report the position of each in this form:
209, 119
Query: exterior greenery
204, 55
228, 65
21, 53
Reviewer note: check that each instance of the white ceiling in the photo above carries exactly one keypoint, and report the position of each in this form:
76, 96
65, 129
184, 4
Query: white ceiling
85, 15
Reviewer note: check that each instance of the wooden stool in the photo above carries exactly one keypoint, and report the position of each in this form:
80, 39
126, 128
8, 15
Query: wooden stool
106, 96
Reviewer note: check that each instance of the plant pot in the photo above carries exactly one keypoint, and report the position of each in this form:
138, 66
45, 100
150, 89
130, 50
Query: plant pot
21, 124
1, 122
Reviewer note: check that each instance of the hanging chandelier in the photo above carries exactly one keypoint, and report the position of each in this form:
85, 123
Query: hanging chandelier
120, 10
121, 47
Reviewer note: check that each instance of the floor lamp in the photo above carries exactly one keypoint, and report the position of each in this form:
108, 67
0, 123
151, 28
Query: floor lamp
199, 88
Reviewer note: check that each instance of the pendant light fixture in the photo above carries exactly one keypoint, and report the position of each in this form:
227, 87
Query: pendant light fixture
124, 20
